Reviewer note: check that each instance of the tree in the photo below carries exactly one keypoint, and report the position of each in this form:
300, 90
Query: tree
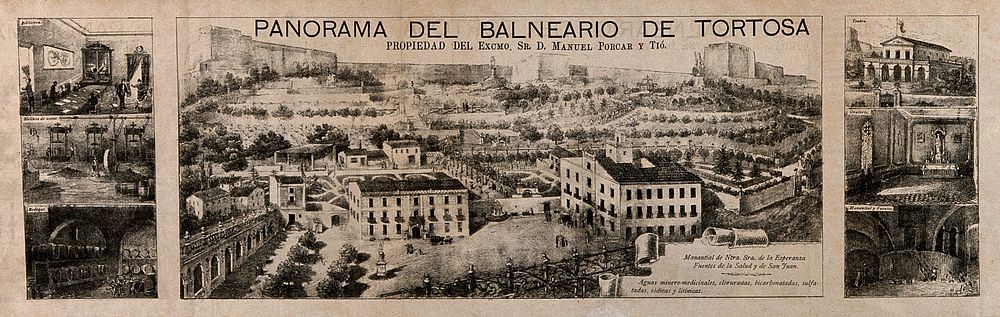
349, 254
382, 134
328, 134
555, 133
238, 163
266, 144
755, 170
330, 288
737, 171
287, 281
308, 240
188, 152
299, 254
531, 133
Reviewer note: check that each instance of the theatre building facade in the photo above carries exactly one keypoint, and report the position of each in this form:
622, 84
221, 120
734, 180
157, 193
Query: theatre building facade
904, 59
625, 196
405, 209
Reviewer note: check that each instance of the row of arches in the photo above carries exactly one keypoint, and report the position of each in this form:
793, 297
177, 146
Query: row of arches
904, 73
206, 274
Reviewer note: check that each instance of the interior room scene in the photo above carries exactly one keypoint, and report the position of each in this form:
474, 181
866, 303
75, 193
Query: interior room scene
911, 156
85, 66
76, 251
913, 251
89, 159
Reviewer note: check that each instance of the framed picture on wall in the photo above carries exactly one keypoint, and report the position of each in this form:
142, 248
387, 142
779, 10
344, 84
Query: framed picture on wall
56, 58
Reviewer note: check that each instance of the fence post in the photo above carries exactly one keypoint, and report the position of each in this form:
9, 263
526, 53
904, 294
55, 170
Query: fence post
472, 279
510, 275
427, 284
545, 272
576, 272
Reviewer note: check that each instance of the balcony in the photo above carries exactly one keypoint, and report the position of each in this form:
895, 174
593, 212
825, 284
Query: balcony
460, 217
400, 219
384, 219
447, 217
432, 218
416, 220
372, 220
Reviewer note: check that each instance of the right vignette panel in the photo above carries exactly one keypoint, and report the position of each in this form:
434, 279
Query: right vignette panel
911, 146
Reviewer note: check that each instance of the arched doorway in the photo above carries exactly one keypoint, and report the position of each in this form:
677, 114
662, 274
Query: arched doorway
921, 73
885, 72
229, 260
897, 73
198, 278
214, 267
415, 232
239, 250
906, 74
870, 71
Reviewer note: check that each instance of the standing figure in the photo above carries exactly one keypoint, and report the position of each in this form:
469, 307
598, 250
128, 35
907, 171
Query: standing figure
122, 91
52, 92
30, 95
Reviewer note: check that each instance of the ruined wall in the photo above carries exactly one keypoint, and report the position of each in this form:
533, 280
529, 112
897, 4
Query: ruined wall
766, 197
394, 73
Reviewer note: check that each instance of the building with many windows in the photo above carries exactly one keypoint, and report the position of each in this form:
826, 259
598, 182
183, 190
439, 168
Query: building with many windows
287, 194
212, 201
623, 195
904, 59
402, 153
393, 209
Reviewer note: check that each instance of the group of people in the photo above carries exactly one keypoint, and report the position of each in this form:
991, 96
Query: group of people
123, 90
123, 286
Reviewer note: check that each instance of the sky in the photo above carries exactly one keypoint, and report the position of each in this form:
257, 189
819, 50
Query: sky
960, 34
797, 54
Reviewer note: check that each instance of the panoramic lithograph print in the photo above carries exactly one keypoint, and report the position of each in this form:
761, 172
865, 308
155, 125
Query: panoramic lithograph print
911, 138
87, 157
500, 157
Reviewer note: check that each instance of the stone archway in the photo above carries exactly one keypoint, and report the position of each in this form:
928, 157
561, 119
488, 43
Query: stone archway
870, 71
897, 73
214, 267
415, 232
921, 74
198, 277
885, 73
907, 74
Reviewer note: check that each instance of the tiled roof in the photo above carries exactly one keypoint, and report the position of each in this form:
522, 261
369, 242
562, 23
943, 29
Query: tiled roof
381, 185
282, 179
243, 191
663, 172
211, 194
402, 143
307, 149
918, 42
560, 152
355, 152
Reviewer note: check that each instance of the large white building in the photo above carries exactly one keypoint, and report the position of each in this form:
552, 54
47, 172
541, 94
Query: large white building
212, 201
402, 153
397, 209
626, 196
